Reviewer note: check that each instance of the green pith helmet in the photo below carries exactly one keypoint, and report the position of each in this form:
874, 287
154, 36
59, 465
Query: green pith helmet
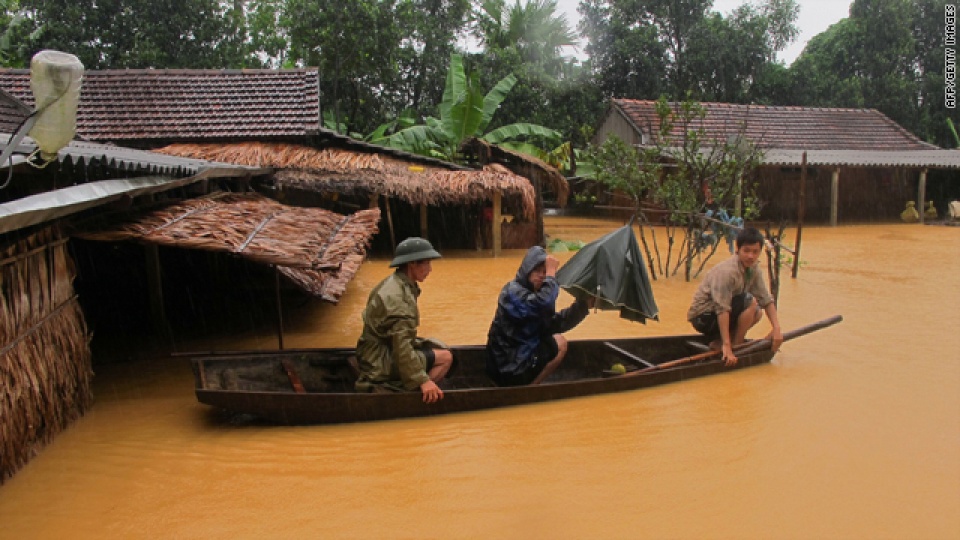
413, 249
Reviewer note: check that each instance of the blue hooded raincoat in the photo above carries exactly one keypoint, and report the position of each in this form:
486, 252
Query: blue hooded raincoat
525, 317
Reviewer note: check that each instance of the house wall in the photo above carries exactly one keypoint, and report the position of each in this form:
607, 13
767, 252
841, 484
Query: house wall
615, 124
45, 359
864, 195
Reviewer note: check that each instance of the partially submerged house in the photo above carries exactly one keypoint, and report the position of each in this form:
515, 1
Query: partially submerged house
97, 236
861, 166
55, 282
272, 118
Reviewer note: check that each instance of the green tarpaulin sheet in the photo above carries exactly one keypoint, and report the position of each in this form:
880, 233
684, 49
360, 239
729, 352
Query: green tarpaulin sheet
612, 269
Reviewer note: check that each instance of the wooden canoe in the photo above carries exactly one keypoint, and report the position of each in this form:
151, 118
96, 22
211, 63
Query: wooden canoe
315, 386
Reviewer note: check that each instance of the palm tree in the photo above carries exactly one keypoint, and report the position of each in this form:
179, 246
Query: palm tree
533, 30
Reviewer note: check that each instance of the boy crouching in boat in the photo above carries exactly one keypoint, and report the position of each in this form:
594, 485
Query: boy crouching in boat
524, 344
728, 301
389, 353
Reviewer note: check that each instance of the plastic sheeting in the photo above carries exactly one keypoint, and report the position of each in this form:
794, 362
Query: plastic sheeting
612, 269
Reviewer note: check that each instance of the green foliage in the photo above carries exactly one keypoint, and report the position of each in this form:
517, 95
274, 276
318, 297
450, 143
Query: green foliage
466, 112
127, 34
953, 131
643, 48
563, 246
703, 174
623, 168
887, 55
530, 33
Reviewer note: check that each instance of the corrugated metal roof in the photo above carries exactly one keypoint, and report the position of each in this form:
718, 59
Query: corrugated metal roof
129, 159
58, 203
934, 159
157, 173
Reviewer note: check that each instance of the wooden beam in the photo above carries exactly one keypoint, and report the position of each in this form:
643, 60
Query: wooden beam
922, 194
294, 377
424, 233
627, 355
276, 288
834, 196
155, 285
497, 223
393, 236
801, 209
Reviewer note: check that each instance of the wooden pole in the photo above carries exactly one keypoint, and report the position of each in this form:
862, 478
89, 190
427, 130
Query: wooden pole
497, 224
921, 204
834, 196
393, 236
276, 273
743, 348
424, 233
801, 209
158, 314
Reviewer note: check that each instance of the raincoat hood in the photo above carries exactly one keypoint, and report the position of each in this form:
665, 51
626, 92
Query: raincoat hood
535, 255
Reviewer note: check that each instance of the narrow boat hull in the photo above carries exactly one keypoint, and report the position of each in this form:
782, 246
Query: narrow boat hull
314, 386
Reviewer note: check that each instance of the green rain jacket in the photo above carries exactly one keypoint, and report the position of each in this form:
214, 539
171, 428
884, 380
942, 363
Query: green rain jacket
387, 348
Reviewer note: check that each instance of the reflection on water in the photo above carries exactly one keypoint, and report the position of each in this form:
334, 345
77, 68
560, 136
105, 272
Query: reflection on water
852, 432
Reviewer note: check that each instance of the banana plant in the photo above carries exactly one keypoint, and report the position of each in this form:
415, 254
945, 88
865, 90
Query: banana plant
465, 112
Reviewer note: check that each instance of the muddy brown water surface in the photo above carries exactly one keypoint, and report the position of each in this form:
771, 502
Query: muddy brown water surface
851, 432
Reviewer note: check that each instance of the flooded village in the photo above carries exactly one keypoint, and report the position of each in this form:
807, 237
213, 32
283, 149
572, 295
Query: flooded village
173, 225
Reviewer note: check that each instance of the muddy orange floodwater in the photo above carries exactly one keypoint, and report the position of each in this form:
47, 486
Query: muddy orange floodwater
851, 432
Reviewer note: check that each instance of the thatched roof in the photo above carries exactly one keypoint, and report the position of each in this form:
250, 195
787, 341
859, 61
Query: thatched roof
317, 249
521, 164
348, 171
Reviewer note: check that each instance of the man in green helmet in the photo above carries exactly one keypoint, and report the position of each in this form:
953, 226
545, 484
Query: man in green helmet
389, 353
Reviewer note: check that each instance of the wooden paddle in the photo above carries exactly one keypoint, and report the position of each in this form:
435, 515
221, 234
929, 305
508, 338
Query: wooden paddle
743, 348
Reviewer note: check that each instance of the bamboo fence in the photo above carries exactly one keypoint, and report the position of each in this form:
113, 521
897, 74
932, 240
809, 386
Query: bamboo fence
45, 359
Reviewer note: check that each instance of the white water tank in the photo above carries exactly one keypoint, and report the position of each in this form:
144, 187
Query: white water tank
55, 80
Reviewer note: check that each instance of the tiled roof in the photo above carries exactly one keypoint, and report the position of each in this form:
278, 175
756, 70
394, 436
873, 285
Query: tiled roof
800, 128
12, 112
142, 106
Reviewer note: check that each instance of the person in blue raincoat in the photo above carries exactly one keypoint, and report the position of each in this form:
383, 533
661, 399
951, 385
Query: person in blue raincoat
524, 344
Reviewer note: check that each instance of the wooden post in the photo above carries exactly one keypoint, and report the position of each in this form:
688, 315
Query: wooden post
496, 225
276, 272
155, 285
424, 233
393, 236
374, 200
834, 196
801, 208
921, 204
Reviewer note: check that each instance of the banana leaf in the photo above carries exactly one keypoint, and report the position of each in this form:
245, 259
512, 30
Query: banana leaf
612, 269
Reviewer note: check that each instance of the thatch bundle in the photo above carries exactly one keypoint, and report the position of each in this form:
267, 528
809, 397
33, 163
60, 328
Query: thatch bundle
318, 249
522, 164
360, 173
45, 360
